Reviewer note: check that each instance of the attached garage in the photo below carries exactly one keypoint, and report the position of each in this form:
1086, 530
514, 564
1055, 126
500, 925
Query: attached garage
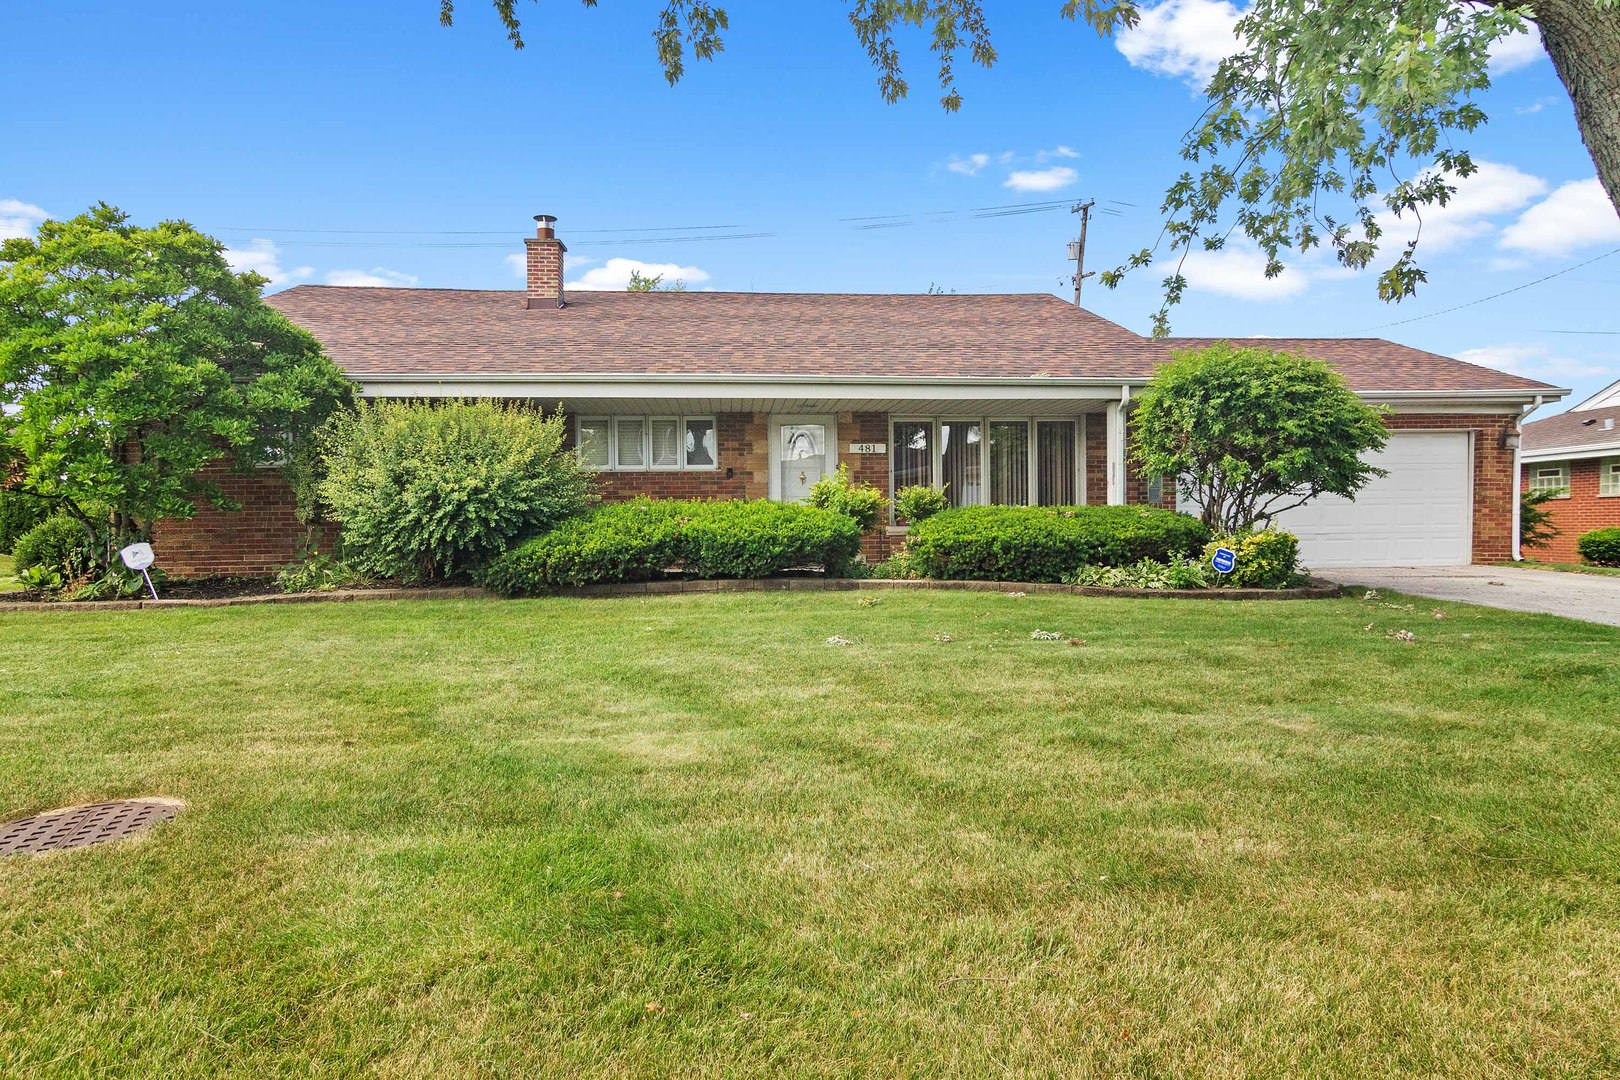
1421, 514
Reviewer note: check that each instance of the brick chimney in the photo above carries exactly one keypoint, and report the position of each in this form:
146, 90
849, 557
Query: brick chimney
545, 264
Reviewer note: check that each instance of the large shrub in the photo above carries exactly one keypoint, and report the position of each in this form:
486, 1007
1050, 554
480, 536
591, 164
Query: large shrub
1265, 560
644, 539
842, 494
59, 545
1601, 547
18, 514
1250, 433
1023, 543
434, 490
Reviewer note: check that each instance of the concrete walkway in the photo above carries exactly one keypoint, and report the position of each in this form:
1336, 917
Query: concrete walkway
1593, 597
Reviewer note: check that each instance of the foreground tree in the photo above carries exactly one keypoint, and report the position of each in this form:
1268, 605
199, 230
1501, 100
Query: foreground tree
1250, 433
131, 358
1322, 119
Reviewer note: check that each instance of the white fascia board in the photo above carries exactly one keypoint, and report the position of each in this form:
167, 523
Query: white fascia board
799, 387
1511, 402
1572, 453
785, 387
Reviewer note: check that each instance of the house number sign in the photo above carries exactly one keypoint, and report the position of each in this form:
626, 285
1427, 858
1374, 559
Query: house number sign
868, 448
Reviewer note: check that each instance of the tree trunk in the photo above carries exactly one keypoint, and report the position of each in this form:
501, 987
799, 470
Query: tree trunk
1583, 40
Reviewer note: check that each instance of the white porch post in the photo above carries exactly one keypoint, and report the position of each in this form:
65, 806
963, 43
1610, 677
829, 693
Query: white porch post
1115, 447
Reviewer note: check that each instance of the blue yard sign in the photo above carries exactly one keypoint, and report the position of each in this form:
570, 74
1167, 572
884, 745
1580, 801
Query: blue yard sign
1224, 560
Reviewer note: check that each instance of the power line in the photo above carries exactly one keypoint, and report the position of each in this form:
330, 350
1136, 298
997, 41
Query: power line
1493, 296
668, 234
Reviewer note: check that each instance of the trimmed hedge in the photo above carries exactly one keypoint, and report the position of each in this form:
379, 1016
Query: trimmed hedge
1600, 547
1026, 543
644, 538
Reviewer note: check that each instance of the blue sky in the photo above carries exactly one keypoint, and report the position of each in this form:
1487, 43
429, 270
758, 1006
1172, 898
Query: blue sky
361, 142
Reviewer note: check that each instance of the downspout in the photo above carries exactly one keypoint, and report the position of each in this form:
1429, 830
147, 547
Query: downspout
1518, 474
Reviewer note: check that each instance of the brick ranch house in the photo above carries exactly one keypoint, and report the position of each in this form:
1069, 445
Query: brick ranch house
1001, 399
1578, 454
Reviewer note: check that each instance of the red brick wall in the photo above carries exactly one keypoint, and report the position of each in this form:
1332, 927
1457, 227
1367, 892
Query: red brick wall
1583, 511
255, 541
1096, 443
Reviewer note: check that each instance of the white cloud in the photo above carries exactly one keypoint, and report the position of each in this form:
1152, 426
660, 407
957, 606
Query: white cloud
1043, 156
614, 275
19, 219
1493, 189
1515, 52
968, 166
1577, 215
1058, 176
378, 277
1184, 39
1534, 362
264, 257
1239, 271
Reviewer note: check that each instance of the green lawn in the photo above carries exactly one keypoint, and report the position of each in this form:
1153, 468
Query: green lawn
684, 836
1569, 568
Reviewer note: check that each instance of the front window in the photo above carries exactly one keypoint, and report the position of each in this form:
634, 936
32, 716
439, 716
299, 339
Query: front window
911, 455
1551, 478
1055, 463
700, 444
961, 461
637, 443
593, 439
1609, 476
992, 462
1009, 462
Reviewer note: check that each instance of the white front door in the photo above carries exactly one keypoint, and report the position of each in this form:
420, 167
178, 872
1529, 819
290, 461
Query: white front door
803, 450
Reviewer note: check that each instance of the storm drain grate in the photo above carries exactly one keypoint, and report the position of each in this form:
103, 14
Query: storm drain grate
83, 825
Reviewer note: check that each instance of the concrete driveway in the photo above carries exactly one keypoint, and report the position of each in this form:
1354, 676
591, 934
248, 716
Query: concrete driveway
1593, 597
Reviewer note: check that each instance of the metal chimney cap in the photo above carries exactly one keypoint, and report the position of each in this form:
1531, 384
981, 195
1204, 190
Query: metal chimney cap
545, 219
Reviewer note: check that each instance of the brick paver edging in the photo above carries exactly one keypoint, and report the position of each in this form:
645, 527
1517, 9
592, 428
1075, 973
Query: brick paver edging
1316, 590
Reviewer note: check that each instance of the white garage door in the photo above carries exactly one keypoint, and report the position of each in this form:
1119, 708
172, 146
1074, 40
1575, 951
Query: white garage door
1419, 515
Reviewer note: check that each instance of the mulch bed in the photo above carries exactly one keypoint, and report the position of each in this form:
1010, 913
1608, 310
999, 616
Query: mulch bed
239, 591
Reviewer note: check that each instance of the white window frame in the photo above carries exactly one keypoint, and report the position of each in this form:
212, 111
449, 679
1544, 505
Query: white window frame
611, 422
1609, 478
1537, 484
936, 466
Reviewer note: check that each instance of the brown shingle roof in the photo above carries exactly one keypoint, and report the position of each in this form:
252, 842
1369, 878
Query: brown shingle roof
449, 332
1374, 364
1576, 429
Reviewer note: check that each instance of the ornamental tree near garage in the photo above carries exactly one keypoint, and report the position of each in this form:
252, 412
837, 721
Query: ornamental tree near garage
131, 358
1250, 433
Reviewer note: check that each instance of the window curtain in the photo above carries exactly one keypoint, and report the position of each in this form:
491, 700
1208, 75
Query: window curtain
1009, 463
1055, 462
961, 461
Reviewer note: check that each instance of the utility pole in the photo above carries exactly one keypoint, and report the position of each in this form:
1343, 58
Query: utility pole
1077, 248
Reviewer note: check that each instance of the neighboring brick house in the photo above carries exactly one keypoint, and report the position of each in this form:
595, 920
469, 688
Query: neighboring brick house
1578, 454
1015, 399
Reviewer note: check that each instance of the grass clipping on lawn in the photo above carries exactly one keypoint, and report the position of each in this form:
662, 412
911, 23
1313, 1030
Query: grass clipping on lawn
682, 836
